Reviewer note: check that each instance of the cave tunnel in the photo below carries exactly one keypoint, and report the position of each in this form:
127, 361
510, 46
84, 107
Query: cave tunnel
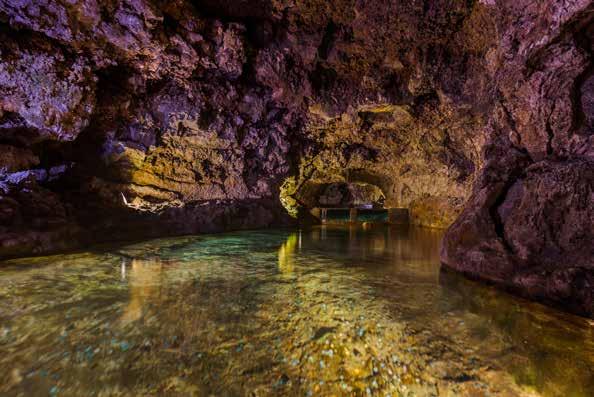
297, 198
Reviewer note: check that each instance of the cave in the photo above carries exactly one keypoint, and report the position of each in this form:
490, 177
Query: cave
343, 195
383, 197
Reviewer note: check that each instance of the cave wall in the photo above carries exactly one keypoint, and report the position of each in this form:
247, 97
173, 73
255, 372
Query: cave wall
529, 223
129, 118
152, 117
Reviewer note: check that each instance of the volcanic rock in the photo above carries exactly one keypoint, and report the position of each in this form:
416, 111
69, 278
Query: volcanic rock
136, 118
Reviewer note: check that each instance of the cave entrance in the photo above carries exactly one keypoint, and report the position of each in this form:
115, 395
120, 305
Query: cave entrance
349, 202
342, 196
350, 195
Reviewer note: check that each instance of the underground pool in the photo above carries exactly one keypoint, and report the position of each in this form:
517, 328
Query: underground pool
326, 310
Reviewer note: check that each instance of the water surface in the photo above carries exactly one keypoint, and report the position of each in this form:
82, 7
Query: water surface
325, 311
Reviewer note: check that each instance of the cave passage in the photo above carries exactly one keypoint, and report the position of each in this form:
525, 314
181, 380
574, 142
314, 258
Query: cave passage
326, 184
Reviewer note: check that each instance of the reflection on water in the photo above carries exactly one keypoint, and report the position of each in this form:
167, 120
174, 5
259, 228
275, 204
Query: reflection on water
286, 253
325, 311
144, 283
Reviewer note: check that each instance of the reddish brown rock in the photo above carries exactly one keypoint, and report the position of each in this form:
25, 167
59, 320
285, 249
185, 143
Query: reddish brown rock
529, 223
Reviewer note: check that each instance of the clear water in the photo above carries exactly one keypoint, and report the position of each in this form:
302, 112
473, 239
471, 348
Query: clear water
326, 311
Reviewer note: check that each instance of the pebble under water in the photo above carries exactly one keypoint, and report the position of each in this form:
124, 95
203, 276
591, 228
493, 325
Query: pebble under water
323, 311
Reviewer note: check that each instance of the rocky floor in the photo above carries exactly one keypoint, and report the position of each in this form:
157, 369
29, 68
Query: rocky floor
277, 313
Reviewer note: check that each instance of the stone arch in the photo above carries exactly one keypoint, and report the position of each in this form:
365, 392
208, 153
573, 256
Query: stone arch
349, 188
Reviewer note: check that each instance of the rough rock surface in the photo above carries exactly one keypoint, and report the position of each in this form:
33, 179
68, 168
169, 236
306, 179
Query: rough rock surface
146, 117
529, 224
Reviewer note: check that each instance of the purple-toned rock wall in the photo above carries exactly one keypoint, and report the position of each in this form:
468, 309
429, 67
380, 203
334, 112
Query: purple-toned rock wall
529, 223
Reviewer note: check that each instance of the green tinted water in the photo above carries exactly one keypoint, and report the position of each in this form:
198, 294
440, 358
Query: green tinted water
326, 311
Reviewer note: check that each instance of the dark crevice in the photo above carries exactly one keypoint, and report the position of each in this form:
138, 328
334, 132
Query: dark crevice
113, 87
584, 39
323, 78
424, 101
170, 24
327, 40
494, 209
260, 32
396, 88
229, 11
52, 153
579, 116
107, 12
550, 137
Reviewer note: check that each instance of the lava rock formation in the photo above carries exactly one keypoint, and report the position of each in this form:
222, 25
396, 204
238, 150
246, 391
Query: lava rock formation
143, 118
